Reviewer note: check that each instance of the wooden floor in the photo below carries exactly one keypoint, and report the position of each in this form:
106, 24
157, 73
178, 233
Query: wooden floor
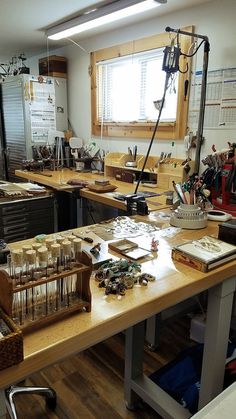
90, 384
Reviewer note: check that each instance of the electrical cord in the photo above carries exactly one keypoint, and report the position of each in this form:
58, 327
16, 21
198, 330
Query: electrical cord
195, 52
90, 212
202, 108
166, 86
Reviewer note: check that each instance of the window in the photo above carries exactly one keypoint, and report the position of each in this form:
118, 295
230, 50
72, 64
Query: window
126, 80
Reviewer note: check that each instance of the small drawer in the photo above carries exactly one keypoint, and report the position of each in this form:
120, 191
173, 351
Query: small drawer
13, 209
15, 219
22, 228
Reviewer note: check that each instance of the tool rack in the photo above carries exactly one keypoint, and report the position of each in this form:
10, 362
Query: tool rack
161, 173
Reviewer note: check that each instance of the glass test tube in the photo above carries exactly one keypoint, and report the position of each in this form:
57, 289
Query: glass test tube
17, 265
66, 246
78, 255
49, 242
59, 240
71, 239
25, 248
56, 254
18, 297
66, 286
51, 287
43, 289
30, 259
18, 307
75, 247
37, 273
30, 293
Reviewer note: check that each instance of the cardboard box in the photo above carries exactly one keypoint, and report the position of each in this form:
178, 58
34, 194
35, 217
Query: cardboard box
197, 329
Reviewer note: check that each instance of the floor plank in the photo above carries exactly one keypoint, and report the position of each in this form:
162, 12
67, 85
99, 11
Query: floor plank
90, 384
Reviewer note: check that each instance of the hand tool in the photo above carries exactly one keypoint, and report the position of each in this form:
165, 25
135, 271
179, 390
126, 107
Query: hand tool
86, 239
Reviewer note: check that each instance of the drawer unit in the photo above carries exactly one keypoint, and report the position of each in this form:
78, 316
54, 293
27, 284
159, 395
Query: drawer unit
21, 220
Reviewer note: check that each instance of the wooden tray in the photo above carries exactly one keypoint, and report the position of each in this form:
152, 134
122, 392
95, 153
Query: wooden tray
129, 249
101, 189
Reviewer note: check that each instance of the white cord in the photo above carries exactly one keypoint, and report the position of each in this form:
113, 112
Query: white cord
73, 42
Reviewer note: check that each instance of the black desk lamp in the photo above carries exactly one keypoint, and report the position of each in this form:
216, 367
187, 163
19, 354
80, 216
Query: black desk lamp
171, 65
199, 136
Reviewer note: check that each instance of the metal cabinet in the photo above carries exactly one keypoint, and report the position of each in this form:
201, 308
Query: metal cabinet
20, 220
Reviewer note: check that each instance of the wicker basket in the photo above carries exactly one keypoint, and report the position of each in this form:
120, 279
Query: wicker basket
11, 346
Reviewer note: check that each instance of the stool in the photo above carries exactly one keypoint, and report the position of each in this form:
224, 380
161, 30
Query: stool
48, 392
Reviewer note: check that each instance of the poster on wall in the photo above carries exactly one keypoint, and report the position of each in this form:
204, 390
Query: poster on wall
220, 108
41, 97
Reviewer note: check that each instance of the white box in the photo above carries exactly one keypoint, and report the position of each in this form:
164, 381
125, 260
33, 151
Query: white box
197, 329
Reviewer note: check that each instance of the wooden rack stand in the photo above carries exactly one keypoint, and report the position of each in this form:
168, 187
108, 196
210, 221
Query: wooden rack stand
161, 173
35, 303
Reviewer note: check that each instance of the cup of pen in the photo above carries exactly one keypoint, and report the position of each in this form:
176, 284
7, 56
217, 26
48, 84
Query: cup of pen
189, 216
132, 162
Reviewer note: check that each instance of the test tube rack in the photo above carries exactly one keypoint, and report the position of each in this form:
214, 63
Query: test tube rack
35, 303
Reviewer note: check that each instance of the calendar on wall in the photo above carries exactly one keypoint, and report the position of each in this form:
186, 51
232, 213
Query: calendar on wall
220, 108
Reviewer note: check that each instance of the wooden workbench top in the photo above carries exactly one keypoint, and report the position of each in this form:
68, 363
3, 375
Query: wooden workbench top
174, 282
58, 181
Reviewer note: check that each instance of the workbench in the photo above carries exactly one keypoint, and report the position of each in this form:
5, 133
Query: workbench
174, 283
58, 181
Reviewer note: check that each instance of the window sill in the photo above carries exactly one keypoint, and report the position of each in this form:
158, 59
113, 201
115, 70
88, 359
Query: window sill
165, 130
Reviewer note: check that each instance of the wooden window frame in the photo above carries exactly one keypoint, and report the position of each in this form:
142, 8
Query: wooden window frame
166, 130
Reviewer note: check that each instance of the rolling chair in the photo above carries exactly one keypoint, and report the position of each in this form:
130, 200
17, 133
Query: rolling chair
10, 392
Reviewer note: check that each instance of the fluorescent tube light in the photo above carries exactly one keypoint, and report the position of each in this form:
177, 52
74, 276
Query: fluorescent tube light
101, 16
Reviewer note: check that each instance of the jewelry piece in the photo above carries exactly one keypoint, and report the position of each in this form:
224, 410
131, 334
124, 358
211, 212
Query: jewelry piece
208, 243
118, 276
154, 245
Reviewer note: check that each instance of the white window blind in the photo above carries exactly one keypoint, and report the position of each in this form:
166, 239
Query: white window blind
128, 86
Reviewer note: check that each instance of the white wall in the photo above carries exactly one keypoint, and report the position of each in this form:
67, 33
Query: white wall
215, 19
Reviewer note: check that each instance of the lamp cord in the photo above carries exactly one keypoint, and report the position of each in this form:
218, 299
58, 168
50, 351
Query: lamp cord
202, 107
154, 132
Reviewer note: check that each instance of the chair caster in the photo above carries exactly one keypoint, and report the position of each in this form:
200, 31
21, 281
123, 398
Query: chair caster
51, 401
151, 347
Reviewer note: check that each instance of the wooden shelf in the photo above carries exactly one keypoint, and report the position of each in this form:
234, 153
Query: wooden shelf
162, 173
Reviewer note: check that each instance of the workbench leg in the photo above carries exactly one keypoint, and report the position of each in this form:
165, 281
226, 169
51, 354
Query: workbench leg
139, 387
219, 310
3, 409
153, 326
134, 344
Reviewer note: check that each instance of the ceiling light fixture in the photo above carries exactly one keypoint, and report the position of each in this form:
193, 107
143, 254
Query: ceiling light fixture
97, 17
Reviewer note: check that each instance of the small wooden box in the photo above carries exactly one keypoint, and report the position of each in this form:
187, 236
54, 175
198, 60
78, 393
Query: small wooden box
54, 65
11, 345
